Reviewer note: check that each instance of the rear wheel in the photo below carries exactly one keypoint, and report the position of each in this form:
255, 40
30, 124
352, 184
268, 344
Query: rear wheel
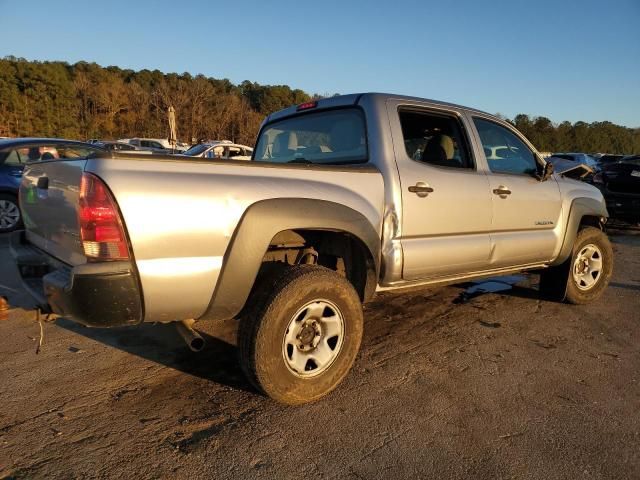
301, 340
586, 274
10, 218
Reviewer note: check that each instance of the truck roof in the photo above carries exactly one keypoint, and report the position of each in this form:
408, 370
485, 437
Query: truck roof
354, 98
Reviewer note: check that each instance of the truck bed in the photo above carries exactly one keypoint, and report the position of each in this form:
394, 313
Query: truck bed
180, 215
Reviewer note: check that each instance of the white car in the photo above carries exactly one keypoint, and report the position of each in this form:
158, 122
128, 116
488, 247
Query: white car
220, 150
156, 145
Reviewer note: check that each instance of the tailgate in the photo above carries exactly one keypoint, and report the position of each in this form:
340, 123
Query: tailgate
49, 202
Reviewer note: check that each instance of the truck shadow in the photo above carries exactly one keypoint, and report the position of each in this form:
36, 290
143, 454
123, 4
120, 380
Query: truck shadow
160, 343
509, 285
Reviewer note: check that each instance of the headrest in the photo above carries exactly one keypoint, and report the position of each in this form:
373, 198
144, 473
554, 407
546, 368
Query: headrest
345, 135
284, 143
439, 149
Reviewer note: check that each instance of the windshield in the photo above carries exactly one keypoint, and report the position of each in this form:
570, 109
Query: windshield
330, 137
197, 150
631, 161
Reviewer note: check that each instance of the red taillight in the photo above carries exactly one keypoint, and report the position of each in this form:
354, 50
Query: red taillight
101, 230
307, 105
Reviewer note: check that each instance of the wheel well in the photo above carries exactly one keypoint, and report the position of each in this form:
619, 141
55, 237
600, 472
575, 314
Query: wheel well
337, 250
591, 221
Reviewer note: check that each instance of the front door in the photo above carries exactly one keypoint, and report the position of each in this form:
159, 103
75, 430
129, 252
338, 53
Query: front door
526, 211
446, 205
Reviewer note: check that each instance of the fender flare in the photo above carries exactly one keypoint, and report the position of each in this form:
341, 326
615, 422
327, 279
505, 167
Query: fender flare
580, 207
259, 224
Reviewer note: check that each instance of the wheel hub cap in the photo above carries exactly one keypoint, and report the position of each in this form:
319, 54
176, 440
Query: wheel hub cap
587, 267
309, 335
9, 214
313, 338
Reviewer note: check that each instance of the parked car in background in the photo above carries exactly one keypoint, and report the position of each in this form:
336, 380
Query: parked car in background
156, 145
605, 158
620, 185
15, 153
581, 158
223, 150
117, 146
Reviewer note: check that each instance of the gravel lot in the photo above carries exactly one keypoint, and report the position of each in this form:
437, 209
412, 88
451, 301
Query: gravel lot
449, 384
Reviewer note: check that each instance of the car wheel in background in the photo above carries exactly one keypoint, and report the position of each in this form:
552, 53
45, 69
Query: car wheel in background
10, 218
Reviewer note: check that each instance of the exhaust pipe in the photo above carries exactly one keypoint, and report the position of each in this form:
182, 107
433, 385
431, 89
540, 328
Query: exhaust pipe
194, 341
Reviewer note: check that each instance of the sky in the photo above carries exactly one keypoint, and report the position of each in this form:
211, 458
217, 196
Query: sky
563, 59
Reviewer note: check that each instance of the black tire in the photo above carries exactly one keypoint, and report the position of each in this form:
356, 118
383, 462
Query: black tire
263, 329
4, 197
558, 283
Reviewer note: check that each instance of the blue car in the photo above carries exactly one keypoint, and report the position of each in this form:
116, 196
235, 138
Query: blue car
15, 153
575, 158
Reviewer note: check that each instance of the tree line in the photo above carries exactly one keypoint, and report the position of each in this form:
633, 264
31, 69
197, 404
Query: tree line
603, 137
84, 100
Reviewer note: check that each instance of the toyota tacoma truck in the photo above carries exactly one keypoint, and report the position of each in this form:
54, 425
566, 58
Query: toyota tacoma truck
343, 197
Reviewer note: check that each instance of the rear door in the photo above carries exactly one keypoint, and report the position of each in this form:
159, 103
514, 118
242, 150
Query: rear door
526, 211
49, 200
446, 205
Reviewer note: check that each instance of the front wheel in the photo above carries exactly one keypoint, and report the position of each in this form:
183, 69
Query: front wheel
301, 341
586, 274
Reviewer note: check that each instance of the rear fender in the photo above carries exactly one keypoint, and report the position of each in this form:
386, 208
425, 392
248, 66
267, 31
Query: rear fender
260, 223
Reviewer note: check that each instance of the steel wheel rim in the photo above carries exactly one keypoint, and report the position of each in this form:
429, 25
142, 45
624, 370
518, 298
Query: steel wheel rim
9, 214
587, 267
313, 339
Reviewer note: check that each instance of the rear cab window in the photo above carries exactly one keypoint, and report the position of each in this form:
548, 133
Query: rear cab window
325, 137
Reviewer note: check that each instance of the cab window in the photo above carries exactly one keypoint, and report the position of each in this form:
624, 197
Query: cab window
504, 151
43, 153
325, 137
13, 158
234, 152
215, 152
434, 139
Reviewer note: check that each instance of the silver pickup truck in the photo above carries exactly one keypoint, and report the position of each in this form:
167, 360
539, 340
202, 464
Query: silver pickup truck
344, 197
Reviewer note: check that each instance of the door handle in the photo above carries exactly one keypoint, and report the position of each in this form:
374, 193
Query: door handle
502, 191
421, 189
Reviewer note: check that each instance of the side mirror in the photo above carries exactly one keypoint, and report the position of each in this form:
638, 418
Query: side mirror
547, 171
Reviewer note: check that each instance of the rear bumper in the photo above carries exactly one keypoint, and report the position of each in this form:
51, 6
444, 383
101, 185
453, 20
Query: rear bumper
103, 294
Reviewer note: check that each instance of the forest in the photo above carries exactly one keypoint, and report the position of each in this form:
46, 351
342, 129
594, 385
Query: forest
84, 100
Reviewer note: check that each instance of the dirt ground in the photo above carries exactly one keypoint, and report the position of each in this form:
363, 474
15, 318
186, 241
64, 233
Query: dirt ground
455, 382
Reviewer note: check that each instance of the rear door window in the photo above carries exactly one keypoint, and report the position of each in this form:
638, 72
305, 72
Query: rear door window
434, 139
331, 137
13, 158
